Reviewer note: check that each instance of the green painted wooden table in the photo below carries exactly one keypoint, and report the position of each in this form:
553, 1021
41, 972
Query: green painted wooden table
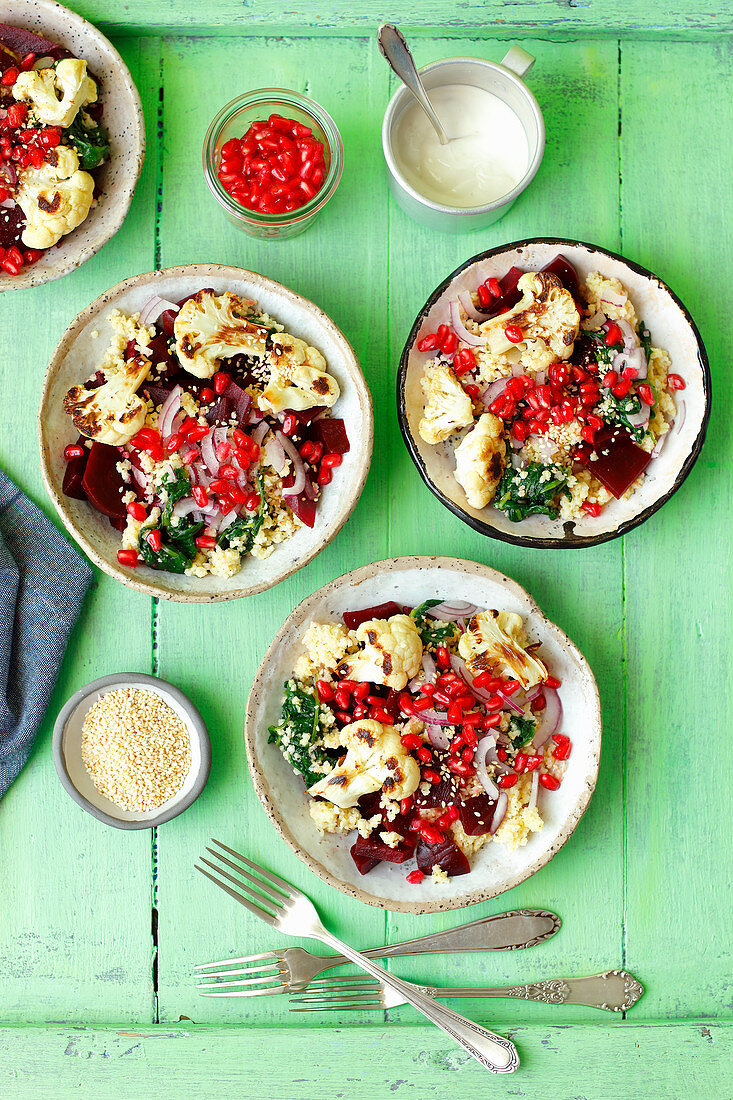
99, 929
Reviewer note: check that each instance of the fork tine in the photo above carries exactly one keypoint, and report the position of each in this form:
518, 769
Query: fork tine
326, 985
274, 991
272, 895
337, 999
240, 959
267, 978
268, 967
261, 913
257, 899
340, 1007
286, 888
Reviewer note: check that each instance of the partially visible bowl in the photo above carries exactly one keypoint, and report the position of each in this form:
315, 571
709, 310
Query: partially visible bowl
671, 327
123, 118
76, 780
495, 868
75, 358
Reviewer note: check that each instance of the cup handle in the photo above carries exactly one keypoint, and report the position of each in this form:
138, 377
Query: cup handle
518, 61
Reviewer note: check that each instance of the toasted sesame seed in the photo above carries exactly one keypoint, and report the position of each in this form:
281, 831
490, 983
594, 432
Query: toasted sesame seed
135, 748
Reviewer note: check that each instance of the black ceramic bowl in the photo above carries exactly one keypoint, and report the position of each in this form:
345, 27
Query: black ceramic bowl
671, 327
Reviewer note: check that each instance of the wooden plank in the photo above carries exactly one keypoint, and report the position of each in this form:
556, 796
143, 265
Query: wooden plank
677, 577
591, 938
75, 932
340, 263
605, 1062
542, 18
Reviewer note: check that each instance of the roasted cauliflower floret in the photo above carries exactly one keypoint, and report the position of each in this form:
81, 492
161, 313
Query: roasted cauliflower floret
298, 377
210, 327
55, 198
391, 653
547, 316
448, 407
480, 460
56, 94
113, 413
375, 759
495, 642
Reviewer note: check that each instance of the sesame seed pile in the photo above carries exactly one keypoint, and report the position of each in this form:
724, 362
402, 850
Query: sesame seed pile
136, 749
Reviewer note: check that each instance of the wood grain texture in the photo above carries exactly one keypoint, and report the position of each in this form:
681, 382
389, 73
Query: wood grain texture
551, 18
585, 1062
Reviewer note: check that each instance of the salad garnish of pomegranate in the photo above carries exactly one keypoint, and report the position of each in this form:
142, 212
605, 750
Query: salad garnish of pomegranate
550, 390
205, 434
427, 731
51, 143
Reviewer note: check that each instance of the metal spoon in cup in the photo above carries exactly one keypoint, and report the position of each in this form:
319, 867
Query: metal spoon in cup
395, 51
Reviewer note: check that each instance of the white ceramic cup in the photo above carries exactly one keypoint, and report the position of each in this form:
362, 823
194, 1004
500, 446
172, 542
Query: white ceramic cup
504, 81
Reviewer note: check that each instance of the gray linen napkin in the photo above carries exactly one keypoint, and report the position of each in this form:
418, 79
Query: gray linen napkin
43, 581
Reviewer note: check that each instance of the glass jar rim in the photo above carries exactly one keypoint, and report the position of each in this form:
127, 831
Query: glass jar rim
274, 96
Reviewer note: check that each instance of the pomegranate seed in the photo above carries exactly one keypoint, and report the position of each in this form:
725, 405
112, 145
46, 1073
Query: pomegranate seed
538, 703
484, 295
325, 691
10, 267
427, 689
424, 755
549, 782
207, 395
74, 450
290, 424
495, 703
520, 761
411, 741
405, 806
588, 433
485, 680
188, 457
467, 754
221, 382
501, 753
469, 733
591, 508
646, 393
494, 288
128, 557
490, 721
443, 822
562, 751
442, 332
442, 657
137, 511
510, 687
252, 502
153, 540
533, 762
342, 699
27, 62
460, 767
9, 77
344, 717
200, 495
676, 382
17, 115
428, 343
621, 389
553, 682
513, 333
206, 542
361, 691
330, 460
415, 877
449, 344
324, 477
431, 776
507, 780
198, 433
613, 335
455, 714
430, 834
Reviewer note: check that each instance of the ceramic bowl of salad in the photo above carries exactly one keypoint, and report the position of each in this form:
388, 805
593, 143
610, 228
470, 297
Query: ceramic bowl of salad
421, 735
204, 432
553, 394
72, 142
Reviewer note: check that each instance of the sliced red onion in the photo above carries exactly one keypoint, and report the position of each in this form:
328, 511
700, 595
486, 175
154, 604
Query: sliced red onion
595, 322
431, 717
639, 419
168, 411
7, 204
140, 478
511, 703
612, 299
310, 490
220, 434
153, 308
479, 763
550, 719
437, 737
459, 667
449, 612
209, 454
469, 308
535, 787
539, 378
495, 390
499, 812
275, 455
533, 692
228, 520
544, 446
429, 668
460, 329
260, 432
298, 468
11, 172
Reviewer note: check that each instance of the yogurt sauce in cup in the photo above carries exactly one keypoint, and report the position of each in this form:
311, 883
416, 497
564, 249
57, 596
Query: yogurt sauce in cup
487, 156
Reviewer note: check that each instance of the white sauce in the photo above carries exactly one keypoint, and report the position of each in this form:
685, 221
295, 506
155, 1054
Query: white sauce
486, 156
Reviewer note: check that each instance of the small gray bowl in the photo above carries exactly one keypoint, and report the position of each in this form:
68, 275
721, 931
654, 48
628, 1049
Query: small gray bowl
75, 778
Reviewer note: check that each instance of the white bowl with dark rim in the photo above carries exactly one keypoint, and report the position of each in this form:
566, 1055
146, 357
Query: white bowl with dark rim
75, 359
671, 327
123, 119
495, 868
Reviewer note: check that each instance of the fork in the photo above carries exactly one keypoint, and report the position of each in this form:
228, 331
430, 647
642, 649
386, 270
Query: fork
292, 968
614, 990
283, 907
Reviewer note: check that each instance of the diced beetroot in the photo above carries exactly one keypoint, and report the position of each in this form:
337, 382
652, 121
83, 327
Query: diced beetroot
565, 272
369, 804
130, 350
373, 848
364, 864
182, 301
162, 354
74, 473
332, 434
392, 704
118, 524
440, 794
476, 814
167, 320
447, 855
221, 411
619, 460
305, 416
304, 509
157, 394
241, 401
352, 619
102, 482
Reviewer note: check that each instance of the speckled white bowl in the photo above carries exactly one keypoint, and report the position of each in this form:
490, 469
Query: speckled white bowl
123, 118
75, 358
495, 868
671, 327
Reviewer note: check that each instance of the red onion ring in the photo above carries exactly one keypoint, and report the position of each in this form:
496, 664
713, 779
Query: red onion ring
260, 432
168, 411
535, 788
495, 390
500, 811
275, 455
464, 297
438, 738
209, 454
460, 329
291, 450
479, 763
449, 612
550, 720
429, 668
431, 717
153, 308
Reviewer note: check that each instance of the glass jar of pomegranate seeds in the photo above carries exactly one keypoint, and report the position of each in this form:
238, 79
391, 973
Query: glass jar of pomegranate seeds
272, 159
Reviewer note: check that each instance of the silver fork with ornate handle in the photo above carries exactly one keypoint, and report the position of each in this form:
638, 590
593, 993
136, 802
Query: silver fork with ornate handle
614, 990
281, 971
281, 906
